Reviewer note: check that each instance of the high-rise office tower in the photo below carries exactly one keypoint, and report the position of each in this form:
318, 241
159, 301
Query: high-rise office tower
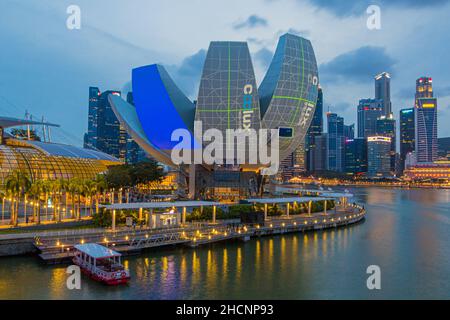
425, 121
407, 135
90, 139
386, 127
104, 130
349, 131
383, 91
336, 142
315, 129
378, 158
356, 156
321, 153
369, 110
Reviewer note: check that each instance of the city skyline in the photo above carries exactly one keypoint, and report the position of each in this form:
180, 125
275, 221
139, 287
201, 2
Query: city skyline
343, 61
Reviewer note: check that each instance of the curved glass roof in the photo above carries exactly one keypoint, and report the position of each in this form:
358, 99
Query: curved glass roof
63, 150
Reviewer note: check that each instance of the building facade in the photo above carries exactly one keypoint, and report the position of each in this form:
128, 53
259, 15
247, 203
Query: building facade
105, 133
315, 129
428, 171
425, 121
356, 156
369, 110
336, 142
386, 127
383, 91
378, 157
407, 134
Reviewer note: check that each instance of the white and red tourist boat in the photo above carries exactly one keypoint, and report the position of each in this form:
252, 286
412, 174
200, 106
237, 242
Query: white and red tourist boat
100, 263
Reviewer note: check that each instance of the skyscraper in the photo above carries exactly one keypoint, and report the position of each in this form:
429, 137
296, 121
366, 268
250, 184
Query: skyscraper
425, 121
336, 140
349, 131
356, 156
383, 91
90, 139
386, 127
378, 158
369, 110
407, 135
321, 153
104, 130
315, 129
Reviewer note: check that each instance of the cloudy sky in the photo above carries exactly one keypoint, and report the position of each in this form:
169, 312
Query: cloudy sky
46, 68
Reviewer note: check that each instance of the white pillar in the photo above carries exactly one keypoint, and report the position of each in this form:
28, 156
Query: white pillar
140, 214
325, 206
265, 211
114, 220
150, 218
214, 214
287, 208
183, 217
309, 207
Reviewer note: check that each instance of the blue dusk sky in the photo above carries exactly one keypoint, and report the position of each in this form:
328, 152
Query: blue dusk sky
46, 68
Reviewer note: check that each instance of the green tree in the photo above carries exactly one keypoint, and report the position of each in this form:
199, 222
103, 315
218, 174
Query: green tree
36, 190
101, 186
145, 172
16, 184
118, 176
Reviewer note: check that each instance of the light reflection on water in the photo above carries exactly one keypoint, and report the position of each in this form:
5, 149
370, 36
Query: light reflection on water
406, 234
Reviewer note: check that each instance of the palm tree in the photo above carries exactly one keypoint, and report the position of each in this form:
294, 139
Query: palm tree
72, 188
36, 190
80, 190
64, 189
17, 183
101, 186
90, 190
46, 187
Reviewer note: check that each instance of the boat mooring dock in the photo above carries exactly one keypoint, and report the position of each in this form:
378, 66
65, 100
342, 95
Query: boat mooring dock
56, 249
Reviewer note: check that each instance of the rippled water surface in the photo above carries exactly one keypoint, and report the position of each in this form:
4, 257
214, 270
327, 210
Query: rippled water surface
406, 233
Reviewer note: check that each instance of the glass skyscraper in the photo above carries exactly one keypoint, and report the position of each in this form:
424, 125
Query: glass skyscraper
407, 135
336, 140
369, 110
315, 129
378, 158
383, 91
425, 121
356, 156
104, 130
386, 127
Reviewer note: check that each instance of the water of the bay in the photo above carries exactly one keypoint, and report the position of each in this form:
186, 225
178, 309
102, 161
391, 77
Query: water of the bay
406, 233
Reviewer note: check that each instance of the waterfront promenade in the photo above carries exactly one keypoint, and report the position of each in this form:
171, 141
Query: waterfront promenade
57, 246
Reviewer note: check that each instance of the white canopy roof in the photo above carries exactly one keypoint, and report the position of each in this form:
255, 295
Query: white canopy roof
326, 193
158, 205
96, 251
288, 200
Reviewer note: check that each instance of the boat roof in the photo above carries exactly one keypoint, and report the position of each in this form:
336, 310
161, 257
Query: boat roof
96, 251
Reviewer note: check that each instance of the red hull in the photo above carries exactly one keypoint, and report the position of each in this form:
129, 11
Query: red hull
110, 282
